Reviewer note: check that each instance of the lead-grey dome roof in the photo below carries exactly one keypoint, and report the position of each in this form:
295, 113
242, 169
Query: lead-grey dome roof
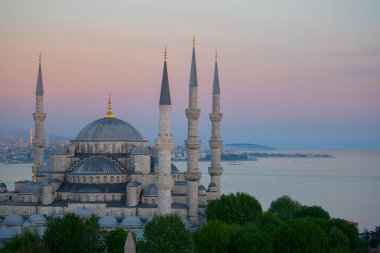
108, 222
109, 129
38, 219
83, 212
131, 222
150, 191
97, 166
7, 233
13, 220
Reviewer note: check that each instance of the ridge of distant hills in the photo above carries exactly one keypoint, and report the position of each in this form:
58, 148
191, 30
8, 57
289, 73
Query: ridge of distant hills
245, 147
14, 135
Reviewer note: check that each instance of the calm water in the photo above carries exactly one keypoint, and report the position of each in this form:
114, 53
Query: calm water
347, 186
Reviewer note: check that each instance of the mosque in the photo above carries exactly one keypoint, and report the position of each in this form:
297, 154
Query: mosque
110, 170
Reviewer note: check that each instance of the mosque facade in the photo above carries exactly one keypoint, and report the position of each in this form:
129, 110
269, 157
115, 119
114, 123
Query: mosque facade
111, 171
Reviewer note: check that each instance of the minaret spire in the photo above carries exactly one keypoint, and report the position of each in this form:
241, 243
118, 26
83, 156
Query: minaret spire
192, 143
39, 117
164, 145
216, 142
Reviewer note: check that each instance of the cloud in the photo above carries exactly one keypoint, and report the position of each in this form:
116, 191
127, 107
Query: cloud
369, 52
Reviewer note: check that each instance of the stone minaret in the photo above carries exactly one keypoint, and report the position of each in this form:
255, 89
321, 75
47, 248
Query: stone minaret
164, 145
192, 143
39, 119
215, 170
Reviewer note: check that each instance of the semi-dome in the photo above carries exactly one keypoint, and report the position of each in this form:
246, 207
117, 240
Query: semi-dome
131, 222
109, 129
7, 233
3, 187
150, 191
38, 219
97, 166
133, 184
108, 222
13, 220
83, 212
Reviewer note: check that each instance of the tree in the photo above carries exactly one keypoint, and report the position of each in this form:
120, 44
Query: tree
239, 208
115, 240
375, 238
166, 234
25, 243
250, 238
300, 236
284, 207
72, 234
212, 237
312, 211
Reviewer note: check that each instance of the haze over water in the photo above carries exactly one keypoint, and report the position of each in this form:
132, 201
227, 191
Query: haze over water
346, 186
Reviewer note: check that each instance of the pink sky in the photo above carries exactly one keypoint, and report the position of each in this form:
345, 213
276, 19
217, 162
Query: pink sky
292, 74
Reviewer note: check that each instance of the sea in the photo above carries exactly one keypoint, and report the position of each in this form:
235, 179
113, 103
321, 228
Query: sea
347, 186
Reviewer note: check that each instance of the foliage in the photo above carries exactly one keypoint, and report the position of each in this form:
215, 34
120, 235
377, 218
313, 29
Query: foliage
312, 211
239, 208
115, 241
284, 207
375, 238
74, 234
250, 238
25, 243
300, 236
269, 223
166, 234
212, 237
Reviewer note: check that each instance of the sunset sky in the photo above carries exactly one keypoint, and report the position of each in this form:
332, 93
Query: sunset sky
293, 74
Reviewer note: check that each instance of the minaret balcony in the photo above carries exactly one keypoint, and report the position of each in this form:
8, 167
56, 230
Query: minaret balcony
216, 117
216, 143
38, 116
165, 143
164, 182
39, 143
193, 176
193, 113
193, 143
215, 170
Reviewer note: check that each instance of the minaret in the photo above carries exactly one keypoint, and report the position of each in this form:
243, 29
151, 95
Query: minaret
164, 145
39, 119
192, 143
216, 142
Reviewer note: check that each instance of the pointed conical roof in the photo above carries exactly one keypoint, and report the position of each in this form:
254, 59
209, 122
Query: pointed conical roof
165, 91
215, 86
40, 86
193, 70
130, 246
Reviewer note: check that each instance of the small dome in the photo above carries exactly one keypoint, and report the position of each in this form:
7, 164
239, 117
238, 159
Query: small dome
131, 222
97, 166
13, 220
83, 212
108, 222
109, 129
38, 219
41, 231
212, 187
138, 150
3, 188
201, 187
27, 224
7, 233
133, 184
150, 191
32, 188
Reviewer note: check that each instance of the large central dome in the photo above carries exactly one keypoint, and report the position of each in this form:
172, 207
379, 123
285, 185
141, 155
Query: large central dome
109, 129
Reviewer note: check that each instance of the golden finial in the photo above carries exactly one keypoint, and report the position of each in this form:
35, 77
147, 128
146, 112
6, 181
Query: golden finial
34, 178
109, 114
39, 60
193, 41
165, 55
216, 55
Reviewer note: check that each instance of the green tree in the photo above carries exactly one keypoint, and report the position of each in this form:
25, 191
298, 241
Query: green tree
115, 240
251, 239
284, 207
72, 234
301, 236
269, 223
312, 211
25, 243
239, 208
212, 237
166, 234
